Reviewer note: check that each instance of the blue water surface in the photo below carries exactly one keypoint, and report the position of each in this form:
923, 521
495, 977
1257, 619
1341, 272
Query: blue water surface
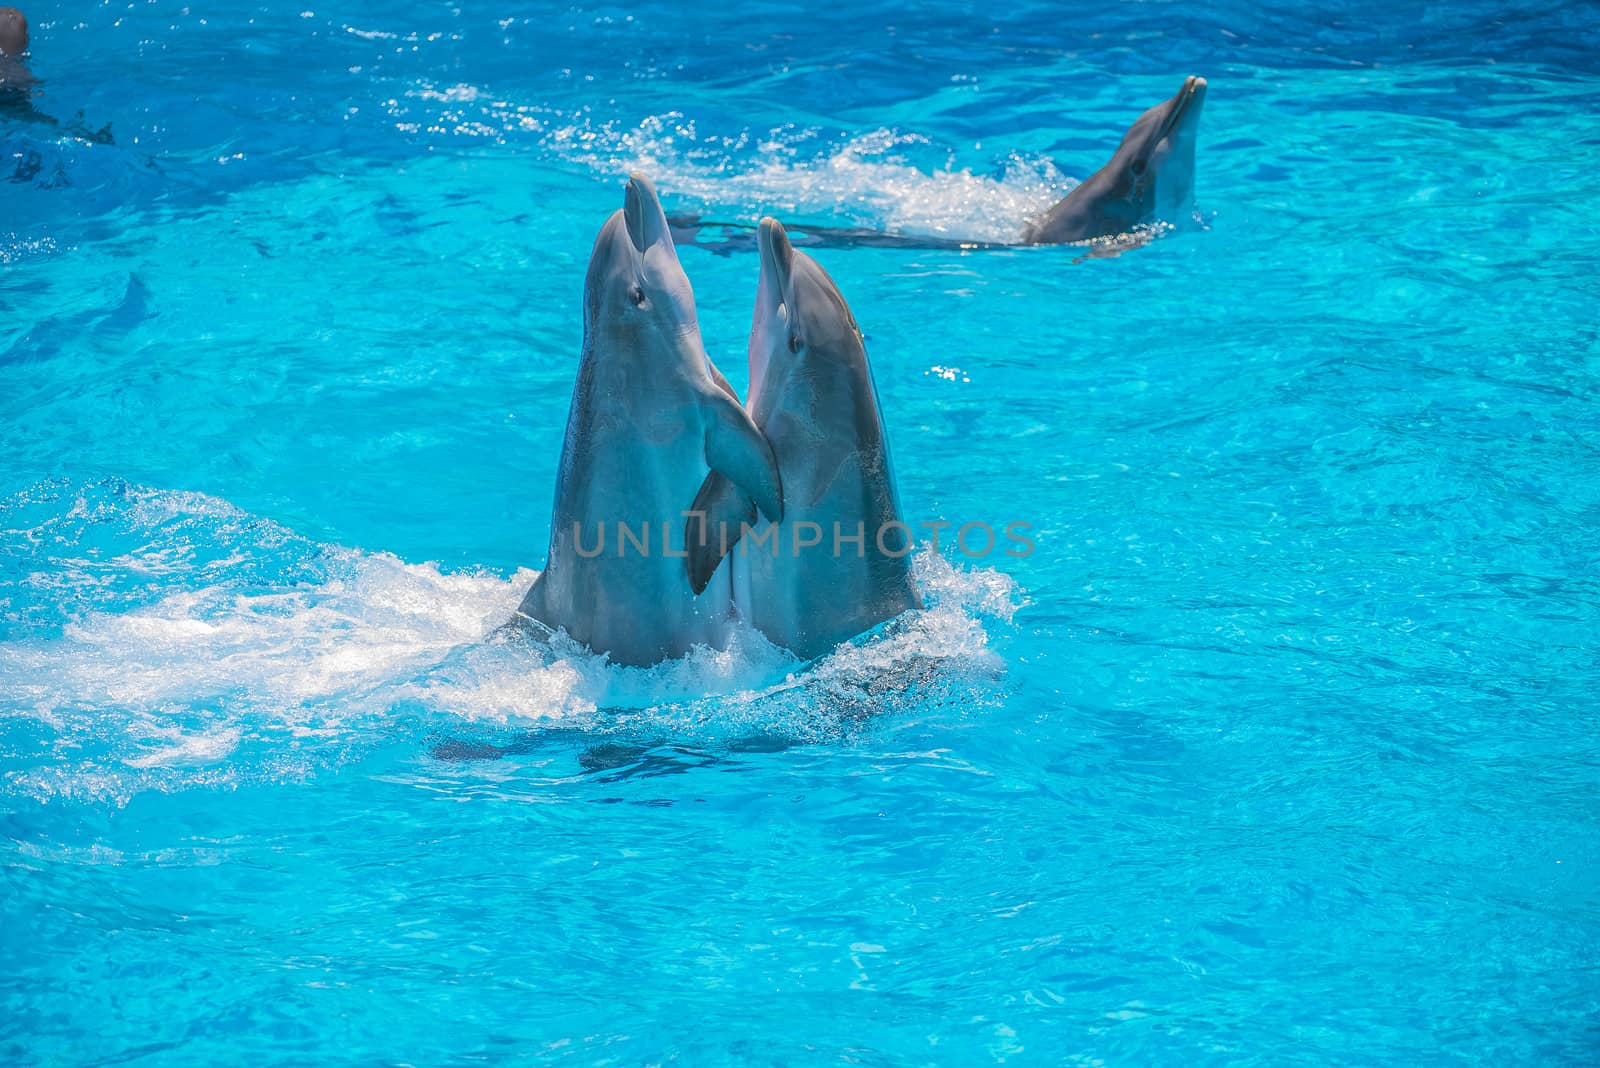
1283, 747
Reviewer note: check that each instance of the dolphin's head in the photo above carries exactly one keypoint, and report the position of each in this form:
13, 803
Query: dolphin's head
635, 283
1153, 168
800, 317
1150, 176
13, 32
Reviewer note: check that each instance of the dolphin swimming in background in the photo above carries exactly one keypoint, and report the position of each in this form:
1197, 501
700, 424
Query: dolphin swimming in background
838, 562
651, 416
1150, 177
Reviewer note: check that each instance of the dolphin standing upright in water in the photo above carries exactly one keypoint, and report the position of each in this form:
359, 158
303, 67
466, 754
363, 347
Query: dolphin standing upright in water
838, 562
1150, 177
651, 416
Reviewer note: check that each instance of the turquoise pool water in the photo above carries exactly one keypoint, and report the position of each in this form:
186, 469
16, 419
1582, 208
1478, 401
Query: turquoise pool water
1280, 748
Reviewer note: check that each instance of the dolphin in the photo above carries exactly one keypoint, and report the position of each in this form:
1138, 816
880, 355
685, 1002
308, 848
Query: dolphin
1150, 177
651, 416
838, 562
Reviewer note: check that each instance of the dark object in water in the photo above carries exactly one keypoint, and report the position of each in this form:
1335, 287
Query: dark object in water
18, 86
13, 32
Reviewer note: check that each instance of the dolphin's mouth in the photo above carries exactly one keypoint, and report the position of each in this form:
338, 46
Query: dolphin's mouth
1193, 88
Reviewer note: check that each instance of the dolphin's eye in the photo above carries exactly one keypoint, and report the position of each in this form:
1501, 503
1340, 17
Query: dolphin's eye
638, 296
1138, 166
794, 342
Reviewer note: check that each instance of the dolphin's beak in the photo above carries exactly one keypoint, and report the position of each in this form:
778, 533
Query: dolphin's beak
641, 210
777, 255
1186, 102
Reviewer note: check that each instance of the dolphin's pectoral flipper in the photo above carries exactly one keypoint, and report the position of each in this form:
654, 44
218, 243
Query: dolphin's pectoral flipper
737, 449
532, 602
715, 524
720, 380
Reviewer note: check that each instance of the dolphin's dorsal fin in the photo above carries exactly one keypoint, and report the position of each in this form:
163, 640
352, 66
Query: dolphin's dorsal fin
737, 449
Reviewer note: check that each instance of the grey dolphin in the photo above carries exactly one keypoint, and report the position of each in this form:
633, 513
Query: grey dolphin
651, 416
812, 395
1150, 177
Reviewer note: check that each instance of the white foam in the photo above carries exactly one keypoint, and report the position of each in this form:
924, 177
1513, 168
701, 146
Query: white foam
864, 180
291, 646
867, 179
203, 748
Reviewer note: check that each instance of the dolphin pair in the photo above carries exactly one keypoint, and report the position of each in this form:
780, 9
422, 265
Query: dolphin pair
654, 427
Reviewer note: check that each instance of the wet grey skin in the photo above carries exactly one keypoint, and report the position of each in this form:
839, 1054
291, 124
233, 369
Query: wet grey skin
1150, 177
812, 395
651, 416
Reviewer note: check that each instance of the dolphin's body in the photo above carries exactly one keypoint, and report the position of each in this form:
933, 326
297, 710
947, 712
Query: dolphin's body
812, 395
650, 418
1150, 177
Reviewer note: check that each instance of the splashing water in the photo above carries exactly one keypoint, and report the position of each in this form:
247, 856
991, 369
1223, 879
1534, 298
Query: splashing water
867, 180
882, 178
208, 646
